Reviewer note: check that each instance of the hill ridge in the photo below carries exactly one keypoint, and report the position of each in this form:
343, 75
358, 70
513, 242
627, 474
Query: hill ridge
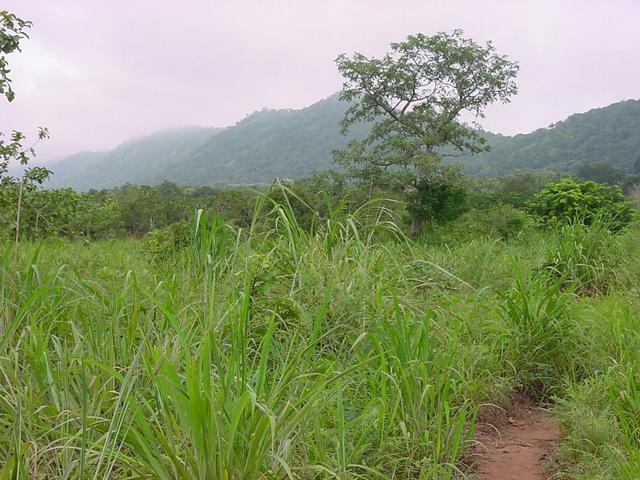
296, 142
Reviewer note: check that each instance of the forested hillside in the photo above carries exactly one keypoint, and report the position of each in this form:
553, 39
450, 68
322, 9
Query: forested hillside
610, 134
295, 143
266, 144
142, 160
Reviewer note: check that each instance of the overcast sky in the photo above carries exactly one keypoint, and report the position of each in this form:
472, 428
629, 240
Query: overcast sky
98, 72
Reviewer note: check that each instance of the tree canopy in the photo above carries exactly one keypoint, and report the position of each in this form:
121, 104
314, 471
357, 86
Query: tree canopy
416, 94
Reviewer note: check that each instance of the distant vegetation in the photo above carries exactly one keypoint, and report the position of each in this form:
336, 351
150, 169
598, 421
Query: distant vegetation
135, 210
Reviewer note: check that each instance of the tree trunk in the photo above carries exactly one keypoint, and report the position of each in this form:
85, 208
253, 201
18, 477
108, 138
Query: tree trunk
18, 209
416, 227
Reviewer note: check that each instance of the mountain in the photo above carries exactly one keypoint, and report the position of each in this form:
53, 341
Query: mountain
609, 134
141, 160
295, 143
267, 144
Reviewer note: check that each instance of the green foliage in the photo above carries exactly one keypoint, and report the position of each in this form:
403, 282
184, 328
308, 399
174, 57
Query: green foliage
599, 415
97, 217
296, 143
333, 352
214, 241
497, 221
514, 189
257, 149
416, 93
16, 193
296, 332
569, 201
12, 32
143, 207
436, 200
14, 151
591, 447
163, 243
624, 397
414, 97
221, 364
607, 134
601, 172
517, 188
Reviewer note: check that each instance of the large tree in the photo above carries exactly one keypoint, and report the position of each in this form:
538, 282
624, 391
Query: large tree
424, 100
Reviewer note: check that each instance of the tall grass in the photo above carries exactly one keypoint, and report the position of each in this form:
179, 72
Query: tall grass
333, 349
541, 332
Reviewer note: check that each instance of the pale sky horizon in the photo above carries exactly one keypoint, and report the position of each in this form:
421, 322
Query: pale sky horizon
98, 73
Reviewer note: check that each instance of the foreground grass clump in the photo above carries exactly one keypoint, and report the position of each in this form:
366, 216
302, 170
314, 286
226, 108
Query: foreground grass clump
338, 351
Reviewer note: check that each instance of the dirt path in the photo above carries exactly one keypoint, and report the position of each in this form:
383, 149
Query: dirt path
517, 449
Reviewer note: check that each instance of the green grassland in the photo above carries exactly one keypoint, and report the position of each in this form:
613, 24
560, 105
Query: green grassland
345, 350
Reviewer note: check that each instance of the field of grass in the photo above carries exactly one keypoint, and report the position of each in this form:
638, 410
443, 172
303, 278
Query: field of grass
349, 352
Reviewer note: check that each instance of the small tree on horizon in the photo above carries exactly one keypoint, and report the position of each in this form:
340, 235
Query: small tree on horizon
415, 97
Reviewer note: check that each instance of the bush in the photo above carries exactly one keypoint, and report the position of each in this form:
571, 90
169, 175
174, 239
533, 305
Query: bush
503, 221
436, 201
601, 172
162, 243
499, 221
569, 201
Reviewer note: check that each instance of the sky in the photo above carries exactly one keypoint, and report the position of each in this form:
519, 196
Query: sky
98, 72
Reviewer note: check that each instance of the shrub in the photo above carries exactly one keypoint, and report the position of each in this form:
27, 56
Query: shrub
437, 201
569, 200
502, 221
162, 243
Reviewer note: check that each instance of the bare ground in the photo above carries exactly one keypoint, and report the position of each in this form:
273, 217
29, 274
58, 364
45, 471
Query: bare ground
515, 446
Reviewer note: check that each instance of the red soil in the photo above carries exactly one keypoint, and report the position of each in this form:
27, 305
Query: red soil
516, 449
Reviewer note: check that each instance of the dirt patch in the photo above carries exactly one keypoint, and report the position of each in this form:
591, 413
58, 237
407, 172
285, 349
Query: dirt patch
515, 445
